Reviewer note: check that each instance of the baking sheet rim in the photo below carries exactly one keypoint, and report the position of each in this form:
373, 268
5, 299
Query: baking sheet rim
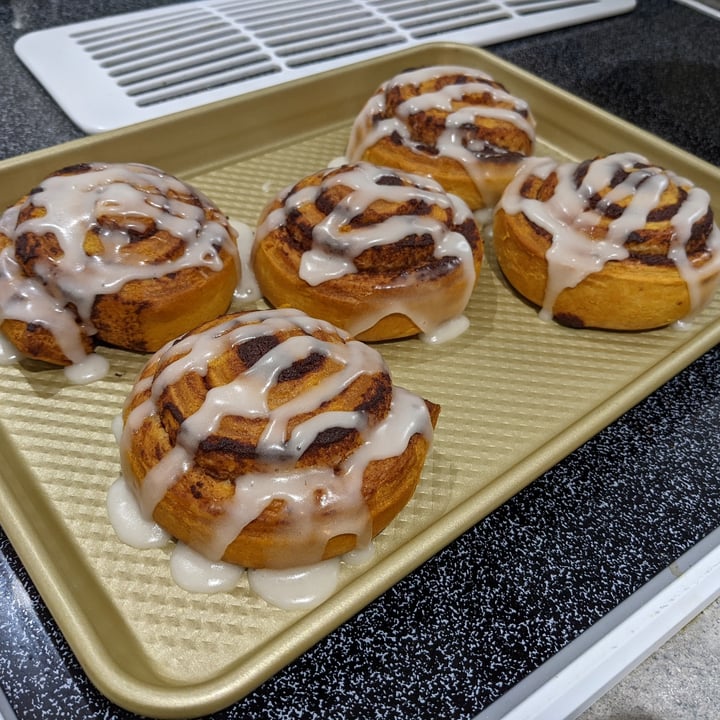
122, 687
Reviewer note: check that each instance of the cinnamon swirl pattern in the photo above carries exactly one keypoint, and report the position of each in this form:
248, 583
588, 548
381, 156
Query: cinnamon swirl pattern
121, 254
614, 242
377, 252
455, 124
272, 439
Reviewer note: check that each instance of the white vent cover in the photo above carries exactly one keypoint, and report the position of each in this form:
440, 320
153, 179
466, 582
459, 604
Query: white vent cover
123, 69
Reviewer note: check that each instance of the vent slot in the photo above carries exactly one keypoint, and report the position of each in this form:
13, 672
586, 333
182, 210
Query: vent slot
127, 68
529, 7
443, 17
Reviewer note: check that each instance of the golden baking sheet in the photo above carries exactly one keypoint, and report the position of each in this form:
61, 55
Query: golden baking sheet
517, 395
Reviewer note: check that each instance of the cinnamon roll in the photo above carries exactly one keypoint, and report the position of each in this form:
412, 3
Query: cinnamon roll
121, 254
272, 439
455, 124
614, 242
377, 252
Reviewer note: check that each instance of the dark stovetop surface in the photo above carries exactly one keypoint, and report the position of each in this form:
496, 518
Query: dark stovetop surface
519, 586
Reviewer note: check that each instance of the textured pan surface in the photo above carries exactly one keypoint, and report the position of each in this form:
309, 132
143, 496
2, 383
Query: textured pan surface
517, 396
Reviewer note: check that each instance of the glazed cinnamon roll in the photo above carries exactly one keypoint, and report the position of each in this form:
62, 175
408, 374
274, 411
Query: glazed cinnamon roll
121, 254
454, 124
377, 252
272, 439
614, 242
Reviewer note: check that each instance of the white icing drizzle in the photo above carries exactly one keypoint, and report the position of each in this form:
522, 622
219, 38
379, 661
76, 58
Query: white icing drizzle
336, 242
472, 154
247, 395
359, 556
130, 526
484, 217
573, 254
196, 574
134, 197
449, 330
9, 354
91, 368
247, 290
692, 210
116, 426
297, 588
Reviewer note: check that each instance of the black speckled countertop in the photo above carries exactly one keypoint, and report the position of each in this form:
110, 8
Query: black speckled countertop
511, 592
